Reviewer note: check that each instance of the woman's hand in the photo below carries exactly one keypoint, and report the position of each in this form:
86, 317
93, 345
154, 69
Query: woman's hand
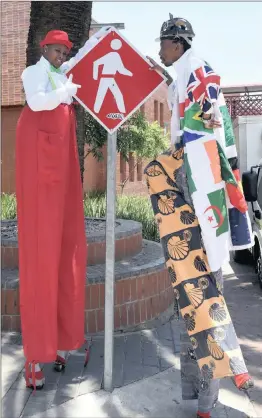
71, 87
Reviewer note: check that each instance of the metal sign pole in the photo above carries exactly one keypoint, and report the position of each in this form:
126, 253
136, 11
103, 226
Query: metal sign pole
110, 262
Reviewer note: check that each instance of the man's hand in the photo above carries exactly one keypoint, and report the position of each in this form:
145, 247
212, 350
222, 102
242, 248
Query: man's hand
210, 123
160, 70
155, 66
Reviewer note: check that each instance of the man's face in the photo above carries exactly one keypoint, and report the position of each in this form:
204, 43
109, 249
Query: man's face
170, 52
56, 54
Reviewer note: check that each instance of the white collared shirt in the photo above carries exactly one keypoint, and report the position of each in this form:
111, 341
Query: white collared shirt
44, 88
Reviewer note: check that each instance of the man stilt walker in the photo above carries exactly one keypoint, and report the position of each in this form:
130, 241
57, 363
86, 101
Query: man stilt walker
201, 212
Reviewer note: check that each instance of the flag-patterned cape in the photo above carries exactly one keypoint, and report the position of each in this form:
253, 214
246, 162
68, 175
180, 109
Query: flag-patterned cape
210, 159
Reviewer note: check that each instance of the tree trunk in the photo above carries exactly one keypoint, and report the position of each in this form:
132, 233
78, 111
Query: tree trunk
73, 17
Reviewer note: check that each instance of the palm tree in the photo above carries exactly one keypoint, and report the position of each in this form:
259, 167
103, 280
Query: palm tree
74, 17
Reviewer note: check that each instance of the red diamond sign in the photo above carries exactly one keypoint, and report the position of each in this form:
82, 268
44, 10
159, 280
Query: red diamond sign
115, 80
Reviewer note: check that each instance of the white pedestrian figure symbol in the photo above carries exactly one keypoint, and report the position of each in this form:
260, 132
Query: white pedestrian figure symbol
112, 63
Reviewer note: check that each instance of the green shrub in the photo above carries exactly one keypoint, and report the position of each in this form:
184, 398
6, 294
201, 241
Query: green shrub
136, 208
8, 205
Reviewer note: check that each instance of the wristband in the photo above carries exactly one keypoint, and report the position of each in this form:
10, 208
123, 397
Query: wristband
168, 77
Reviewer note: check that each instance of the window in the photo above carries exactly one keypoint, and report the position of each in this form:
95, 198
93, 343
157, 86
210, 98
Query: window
155, 110
122, 168
131, 167
139, 169
162, 115
142, 109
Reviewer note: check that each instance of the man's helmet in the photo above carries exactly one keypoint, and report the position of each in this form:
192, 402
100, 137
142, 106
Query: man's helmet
176, 27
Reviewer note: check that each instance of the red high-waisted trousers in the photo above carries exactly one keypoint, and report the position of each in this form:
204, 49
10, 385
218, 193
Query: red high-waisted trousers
51, 233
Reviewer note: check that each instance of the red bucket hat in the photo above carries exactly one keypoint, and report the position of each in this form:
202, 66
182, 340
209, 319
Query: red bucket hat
56, 37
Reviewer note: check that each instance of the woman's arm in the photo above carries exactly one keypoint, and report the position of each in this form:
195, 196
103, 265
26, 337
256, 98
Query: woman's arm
35, 81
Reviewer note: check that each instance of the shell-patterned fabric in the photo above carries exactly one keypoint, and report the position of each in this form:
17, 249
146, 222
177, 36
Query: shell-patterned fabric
198, 293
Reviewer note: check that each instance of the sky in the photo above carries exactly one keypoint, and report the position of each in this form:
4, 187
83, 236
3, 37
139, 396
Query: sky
228, 34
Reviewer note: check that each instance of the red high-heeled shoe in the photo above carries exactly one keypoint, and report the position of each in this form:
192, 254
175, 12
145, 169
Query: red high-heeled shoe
203, 414
59, 363
34, 378
243, 381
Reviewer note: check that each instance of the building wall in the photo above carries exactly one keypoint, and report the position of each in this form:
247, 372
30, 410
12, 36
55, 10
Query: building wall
95, 173
9, 117
15, 19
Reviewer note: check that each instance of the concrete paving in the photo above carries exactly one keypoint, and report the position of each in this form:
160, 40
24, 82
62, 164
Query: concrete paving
146, 370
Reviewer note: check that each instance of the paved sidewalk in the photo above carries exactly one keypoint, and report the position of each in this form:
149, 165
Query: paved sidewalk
146, 370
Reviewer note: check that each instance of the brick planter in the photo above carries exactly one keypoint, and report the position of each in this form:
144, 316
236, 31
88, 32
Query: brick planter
143, 291
125, 247
10, 310
137, 300
128, 243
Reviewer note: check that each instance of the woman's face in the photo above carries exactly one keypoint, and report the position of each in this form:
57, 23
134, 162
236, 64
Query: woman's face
56, 54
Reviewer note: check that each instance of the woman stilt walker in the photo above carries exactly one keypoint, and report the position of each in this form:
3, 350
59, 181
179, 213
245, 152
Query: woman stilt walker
51, 230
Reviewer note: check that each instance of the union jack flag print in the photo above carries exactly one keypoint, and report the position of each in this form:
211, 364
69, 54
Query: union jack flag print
203, 87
